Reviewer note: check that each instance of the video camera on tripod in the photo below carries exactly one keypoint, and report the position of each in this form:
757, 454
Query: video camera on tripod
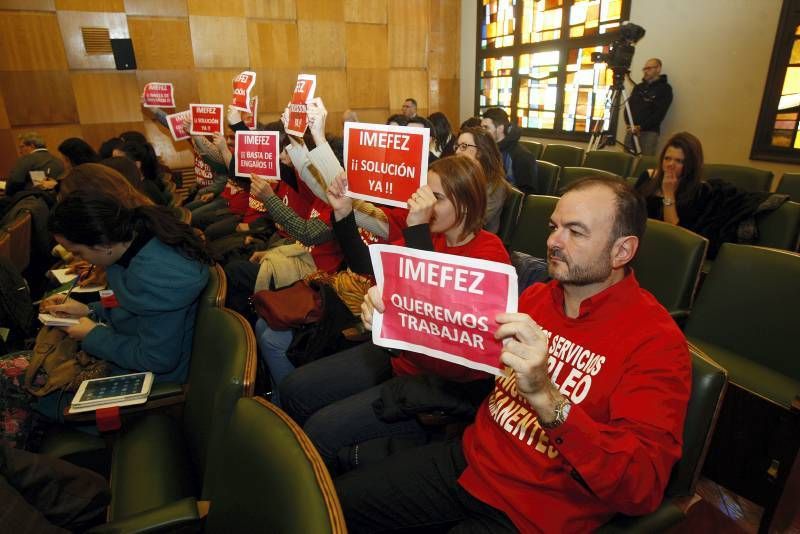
618, 58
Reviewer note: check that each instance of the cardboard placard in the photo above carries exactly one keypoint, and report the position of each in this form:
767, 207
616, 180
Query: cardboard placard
257, 153
242, 85
175, 122
303, 93
253, 119
159, 95
206, 119
385, 164
442, 305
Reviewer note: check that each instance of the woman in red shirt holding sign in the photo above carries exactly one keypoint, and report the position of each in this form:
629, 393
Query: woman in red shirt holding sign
333, 397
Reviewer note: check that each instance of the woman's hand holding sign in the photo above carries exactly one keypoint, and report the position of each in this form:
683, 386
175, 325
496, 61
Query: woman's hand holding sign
317, 114
420, 206
525, 351
373, 301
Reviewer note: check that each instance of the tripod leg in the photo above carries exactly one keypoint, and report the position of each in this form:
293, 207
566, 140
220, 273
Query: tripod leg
635, 136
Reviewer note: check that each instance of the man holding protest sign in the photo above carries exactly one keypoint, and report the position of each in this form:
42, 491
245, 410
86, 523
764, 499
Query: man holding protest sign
588, 421
332, 397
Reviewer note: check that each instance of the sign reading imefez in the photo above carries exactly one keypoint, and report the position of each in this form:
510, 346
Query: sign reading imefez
251, 121
242, 85
257, 153
442, 305
206, 119
159, 95
385, 164
175, 122
303, 93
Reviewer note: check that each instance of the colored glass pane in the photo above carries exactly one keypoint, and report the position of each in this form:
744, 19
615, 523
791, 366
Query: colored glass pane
538, 89
585, 91
496, 82
590, 17
541, 20
498, 24
791, 83
795, 57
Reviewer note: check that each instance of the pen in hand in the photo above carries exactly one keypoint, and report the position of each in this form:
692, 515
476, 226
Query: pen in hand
75, 283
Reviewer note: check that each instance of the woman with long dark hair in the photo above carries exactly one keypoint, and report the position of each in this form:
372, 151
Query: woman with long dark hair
442, 134
478, 145
76, 151
145, 158
674, 190
156, 268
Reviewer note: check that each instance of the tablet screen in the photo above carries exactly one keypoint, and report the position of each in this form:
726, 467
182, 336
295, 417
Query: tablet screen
113, 387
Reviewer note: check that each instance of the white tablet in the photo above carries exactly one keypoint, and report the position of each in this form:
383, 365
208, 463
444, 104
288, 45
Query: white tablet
122, 390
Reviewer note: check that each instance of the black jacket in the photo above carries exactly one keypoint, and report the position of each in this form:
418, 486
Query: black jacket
649, 104
520, 165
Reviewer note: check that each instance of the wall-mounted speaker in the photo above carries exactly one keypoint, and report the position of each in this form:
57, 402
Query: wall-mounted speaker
124, 57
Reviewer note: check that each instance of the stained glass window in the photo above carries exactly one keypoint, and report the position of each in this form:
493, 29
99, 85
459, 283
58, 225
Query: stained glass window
498, 23
545, 78
778, 131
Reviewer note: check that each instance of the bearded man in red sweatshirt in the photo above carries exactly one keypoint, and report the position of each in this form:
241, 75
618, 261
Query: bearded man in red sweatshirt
588, 421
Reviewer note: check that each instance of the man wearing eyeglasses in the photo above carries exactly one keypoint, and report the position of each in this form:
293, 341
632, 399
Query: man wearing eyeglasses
649, 103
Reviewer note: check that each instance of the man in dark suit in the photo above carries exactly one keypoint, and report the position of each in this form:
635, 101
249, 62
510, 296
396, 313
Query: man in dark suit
33, 157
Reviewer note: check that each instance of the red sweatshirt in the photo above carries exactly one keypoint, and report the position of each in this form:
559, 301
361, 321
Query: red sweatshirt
625, 366
484, 246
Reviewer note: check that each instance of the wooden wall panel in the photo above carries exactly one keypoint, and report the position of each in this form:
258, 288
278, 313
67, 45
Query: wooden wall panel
408, 84
174, 154
29, 5
219, 42
272, 44
161, 43
368, 88
409, 22
96, 134
443, 60
157, 8
104, 97
371, 11
367, 46
4, 124
321, 43
38, 97
91, 5
374, 116
215, 8
30, 41
215, 86
331, 10
71, 23
332, 87
274, 88
8, 152
53, 135
444, 96
184, 82
273, 9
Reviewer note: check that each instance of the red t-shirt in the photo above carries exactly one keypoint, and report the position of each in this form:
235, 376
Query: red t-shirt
625, 366
327, 256
236, 197
484, 246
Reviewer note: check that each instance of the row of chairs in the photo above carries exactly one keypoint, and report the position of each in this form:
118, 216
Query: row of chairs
211, 441
625, 165
15, 240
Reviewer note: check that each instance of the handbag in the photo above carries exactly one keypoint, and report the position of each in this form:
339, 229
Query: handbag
66, 367
290, 307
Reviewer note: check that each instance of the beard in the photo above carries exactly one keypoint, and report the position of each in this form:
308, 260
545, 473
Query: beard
568, 272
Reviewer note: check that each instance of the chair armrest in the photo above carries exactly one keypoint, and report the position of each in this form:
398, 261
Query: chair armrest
168, 518
161, 395
680, 317
666, 516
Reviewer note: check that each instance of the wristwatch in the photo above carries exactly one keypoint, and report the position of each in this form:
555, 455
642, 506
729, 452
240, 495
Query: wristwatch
562, 412
668, 201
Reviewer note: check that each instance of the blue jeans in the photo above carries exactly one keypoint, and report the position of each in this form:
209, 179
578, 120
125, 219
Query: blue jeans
332, 399
273, 345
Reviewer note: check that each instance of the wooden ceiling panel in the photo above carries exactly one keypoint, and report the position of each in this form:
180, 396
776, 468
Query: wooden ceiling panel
332, 87
272, 44
272, 9
409, 23
71, 23
408, 84
215, 8
215, 86
157, 8
444, 96
370, 11
219, 42
331, 10
368, 88
274, 89
161, 43
367, 46
321, 43
31, 41
38, 97
117, 6
96, 106
29, 5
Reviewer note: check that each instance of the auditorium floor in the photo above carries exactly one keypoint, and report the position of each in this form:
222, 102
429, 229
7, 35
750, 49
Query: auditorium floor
718, 510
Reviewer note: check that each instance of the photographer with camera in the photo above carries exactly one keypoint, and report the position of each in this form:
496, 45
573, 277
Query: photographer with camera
649, 103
